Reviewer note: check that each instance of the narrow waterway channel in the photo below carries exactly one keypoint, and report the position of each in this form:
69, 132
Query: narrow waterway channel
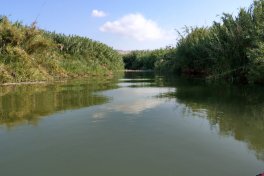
137, 125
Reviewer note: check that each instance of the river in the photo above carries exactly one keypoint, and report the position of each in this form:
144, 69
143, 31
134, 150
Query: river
139, 124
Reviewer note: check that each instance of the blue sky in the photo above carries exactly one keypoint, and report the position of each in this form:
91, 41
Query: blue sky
122, 24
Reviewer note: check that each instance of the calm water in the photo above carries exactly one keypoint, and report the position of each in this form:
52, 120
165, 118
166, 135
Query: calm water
138, 125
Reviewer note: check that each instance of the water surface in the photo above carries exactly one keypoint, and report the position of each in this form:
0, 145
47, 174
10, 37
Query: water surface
141, 124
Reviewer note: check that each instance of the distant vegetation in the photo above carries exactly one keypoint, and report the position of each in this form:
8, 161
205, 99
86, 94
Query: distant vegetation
232, 49
146, 60
30, 54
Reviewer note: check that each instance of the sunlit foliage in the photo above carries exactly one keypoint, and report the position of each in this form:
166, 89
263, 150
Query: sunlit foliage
232, 49
30, 54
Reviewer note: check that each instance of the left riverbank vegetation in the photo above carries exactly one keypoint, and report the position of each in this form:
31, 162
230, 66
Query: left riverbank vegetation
230, 50
28, 54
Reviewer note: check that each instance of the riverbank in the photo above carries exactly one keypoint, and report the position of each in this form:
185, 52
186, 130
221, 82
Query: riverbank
231, 50
29, 54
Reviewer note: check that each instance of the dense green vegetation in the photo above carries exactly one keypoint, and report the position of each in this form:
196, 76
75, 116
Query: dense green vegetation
232, 49
30, 54
146, 60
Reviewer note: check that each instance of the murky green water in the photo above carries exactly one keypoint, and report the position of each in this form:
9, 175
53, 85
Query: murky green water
140, 125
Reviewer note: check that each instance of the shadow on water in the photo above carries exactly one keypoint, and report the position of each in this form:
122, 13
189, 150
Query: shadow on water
27, 103
236, 111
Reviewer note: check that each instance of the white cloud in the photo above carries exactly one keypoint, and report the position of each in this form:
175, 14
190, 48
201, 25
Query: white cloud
138, 27
98, 13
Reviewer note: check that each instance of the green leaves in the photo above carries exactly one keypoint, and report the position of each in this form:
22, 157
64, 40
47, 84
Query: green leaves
226, 50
